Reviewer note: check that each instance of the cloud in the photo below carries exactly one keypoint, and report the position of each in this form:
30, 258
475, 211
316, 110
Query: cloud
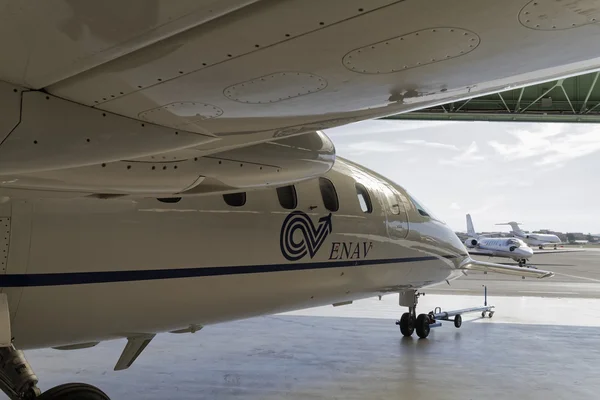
468, 156
454, 206
489, 204
571, 147
529, 143
358, 148
551, 144
513, 180
418, 142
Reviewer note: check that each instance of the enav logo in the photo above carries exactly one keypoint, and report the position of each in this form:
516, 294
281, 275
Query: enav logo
299, 236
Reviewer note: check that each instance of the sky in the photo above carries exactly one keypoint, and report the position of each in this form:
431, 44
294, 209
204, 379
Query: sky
543, 175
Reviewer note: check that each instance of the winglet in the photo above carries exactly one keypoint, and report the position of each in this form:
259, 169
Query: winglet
134, 347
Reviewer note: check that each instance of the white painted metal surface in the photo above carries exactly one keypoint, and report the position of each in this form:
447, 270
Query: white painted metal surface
185, 171
55, 40
55, 134
405, 52
312, 37
112, 267
199, 87
551, 15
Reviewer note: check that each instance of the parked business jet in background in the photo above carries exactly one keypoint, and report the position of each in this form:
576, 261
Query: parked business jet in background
481, 245
533, 239
161, 165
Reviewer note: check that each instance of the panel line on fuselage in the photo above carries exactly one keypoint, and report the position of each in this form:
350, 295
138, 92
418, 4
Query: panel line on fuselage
80, 278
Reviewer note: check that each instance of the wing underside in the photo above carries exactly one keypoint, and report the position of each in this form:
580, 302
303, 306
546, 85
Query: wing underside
124, 97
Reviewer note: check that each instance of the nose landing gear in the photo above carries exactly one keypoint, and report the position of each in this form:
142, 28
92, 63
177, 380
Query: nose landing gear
17, 379
19, 382
423, 326
409, 322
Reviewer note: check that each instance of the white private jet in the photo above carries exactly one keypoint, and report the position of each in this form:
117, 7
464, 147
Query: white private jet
533, 239
514, 247
481, 245
161, 165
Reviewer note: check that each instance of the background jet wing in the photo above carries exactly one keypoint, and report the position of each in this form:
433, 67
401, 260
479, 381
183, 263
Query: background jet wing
474, 265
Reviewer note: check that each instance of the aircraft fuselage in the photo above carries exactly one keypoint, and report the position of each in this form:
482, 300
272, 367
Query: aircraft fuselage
83, 270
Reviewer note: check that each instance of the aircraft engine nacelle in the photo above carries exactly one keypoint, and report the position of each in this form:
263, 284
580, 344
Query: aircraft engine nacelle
471, 242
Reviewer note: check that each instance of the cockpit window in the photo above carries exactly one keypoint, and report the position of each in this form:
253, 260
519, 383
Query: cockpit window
420, 208
392, 199
513, 242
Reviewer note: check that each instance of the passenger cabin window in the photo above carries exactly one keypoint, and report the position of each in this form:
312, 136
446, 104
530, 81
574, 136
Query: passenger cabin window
169, 199
235, 199
287, 197
329, 195
364, 199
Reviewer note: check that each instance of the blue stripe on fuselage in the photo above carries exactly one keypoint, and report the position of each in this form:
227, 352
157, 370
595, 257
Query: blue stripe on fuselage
81, 278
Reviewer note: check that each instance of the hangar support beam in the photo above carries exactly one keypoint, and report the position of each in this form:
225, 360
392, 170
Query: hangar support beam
575, 99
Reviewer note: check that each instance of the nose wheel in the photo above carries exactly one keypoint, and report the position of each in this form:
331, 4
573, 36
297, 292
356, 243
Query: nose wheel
407, 324
410, 322
423, 327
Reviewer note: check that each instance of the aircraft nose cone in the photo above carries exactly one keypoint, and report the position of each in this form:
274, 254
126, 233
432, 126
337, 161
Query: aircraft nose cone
527, 251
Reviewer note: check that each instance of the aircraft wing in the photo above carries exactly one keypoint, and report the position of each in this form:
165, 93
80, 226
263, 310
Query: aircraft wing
480, 252
474, 265
168, 97
550, 251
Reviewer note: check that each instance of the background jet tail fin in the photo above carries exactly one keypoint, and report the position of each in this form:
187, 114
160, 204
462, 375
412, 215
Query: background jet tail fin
474, 265
470, 228
514, 225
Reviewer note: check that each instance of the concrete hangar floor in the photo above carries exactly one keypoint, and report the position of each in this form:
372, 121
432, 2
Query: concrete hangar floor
533, 348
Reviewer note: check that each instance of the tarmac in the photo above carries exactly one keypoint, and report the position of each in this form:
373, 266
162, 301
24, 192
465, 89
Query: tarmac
577, 274
533, 348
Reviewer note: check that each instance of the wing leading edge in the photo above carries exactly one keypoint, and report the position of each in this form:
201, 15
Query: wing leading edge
480, 252
558, 251
474, 265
